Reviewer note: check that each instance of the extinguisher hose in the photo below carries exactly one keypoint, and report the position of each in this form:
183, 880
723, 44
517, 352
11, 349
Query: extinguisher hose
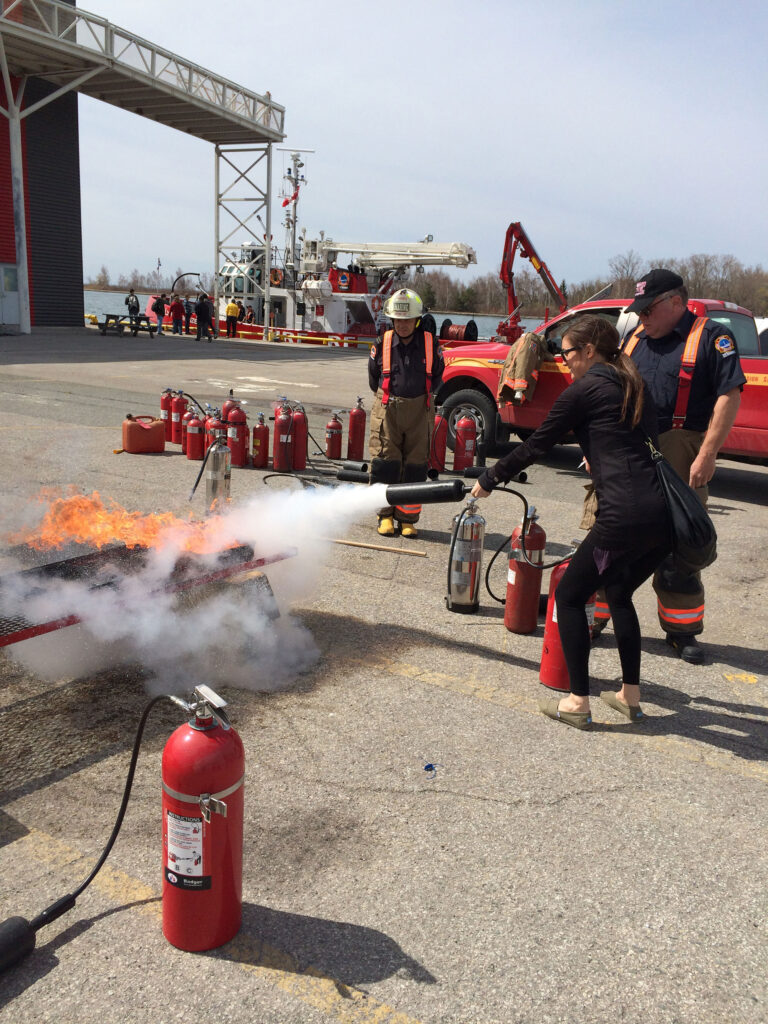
200, 474
17, 936
193, 399
536, 565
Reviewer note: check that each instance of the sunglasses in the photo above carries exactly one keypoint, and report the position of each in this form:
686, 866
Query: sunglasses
565, 352
658, 302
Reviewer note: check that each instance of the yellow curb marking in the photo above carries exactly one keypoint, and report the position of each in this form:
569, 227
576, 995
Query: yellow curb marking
270, 964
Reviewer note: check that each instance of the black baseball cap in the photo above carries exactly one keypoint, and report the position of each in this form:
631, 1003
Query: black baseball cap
655, 283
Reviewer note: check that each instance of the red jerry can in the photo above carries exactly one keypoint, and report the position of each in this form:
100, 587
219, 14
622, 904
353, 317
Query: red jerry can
143, 435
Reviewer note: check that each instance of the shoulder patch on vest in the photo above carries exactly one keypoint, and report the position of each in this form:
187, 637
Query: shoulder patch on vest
373, 351
724, 345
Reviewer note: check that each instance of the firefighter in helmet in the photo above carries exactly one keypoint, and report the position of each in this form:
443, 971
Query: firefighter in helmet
404, 371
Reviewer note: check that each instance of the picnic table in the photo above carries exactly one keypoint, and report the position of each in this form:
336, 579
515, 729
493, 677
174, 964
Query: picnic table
117, 323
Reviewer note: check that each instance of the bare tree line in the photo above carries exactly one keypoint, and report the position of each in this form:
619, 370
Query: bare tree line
153, 281
707, 276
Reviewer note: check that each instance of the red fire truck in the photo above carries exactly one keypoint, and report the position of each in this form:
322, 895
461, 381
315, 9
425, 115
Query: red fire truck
472, 371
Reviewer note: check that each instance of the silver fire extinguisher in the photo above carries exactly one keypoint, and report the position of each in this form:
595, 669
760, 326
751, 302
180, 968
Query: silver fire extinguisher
465, 561
218, 472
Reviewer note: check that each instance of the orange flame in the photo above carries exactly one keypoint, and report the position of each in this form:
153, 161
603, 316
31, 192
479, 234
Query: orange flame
85, 519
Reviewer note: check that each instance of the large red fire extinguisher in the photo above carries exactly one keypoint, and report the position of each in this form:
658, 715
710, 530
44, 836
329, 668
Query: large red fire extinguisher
356, 435
229, 404
203, 771
521, 608
300, 431
438, 444
466, 436
260, 443
179, 406
188, 415
553, 671
237, 435
282, 449
166, 398
195, 438
333, 437
214, 427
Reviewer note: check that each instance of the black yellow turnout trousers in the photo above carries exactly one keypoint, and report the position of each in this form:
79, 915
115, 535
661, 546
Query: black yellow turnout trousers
399, 447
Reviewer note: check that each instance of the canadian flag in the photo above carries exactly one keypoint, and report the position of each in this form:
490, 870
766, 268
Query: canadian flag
291, 199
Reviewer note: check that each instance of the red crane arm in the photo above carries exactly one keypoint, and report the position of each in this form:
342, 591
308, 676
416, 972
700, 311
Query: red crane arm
517, 238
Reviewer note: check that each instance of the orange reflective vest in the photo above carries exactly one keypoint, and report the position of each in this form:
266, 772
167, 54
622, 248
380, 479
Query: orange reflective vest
687, 364
386, 363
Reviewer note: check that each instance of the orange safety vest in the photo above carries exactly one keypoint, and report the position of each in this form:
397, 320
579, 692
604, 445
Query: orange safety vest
386, 363
687, 364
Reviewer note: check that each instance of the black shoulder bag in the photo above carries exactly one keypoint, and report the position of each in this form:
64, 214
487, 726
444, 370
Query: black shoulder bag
694, 539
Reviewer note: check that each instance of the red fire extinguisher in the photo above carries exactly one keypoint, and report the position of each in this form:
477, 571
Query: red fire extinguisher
356, 435
300, 431
228, 405
282, 450
333, 437
214, 427
166, 398
438, 444
195, 438
260, 443
521, 608
179, 406
237, 435
188, 415
552, 671
203, 771
466, 436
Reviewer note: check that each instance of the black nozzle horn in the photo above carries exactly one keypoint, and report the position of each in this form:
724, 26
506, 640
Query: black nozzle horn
353, 476
427, 493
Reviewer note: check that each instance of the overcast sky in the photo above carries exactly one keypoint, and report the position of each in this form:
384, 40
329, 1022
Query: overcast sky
602, 126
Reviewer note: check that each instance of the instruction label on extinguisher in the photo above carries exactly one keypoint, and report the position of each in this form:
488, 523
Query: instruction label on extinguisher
184, 852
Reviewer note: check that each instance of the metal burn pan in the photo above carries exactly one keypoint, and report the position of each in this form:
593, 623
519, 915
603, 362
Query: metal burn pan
108, 568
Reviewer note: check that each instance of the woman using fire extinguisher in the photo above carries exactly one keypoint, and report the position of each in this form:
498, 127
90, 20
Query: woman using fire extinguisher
611, 415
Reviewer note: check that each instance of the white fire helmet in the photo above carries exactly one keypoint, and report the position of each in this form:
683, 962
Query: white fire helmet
404, 305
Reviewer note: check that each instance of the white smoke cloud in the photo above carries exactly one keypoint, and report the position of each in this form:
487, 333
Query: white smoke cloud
217, 635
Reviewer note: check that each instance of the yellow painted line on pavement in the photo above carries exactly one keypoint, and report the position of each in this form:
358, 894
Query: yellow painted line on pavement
673, 746
334, 998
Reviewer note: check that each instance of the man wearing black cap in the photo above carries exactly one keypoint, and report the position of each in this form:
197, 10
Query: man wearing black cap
691, 368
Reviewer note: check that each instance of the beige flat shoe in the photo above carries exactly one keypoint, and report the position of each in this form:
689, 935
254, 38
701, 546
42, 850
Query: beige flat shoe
577, 719
610, 698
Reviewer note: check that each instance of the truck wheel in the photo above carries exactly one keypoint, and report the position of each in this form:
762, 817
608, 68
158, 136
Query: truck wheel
478, 405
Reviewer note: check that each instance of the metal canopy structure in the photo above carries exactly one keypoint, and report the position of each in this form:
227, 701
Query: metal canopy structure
74, 49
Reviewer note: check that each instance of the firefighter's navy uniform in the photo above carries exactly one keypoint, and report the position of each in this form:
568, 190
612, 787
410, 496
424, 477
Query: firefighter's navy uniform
685, 372
404, 377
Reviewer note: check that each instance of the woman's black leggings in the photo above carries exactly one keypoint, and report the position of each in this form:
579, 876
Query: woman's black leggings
620, 580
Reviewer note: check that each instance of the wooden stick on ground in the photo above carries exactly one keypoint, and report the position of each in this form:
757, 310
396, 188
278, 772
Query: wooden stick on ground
376, 547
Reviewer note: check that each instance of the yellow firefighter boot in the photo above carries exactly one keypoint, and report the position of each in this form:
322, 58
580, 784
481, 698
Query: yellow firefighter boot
387, 526
408, 530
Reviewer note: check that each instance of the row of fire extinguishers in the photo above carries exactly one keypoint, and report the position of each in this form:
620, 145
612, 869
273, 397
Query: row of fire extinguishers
522, 600
465, 447
196, 429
